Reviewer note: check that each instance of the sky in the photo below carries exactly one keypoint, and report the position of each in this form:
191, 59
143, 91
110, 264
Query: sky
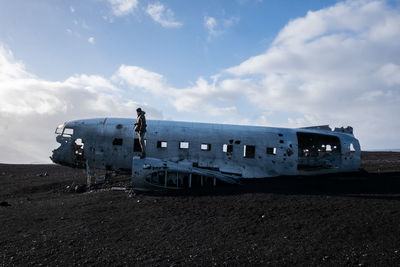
276, 63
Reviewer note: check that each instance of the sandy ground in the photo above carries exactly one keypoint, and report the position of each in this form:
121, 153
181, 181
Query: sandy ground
350, 220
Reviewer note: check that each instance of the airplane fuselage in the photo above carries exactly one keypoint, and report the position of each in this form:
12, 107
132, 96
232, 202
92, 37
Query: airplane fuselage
232, 150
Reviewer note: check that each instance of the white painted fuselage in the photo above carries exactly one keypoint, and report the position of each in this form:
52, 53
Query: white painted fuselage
227, 152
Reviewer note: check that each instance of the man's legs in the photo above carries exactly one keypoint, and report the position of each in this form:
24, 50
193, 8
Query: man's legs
142, 145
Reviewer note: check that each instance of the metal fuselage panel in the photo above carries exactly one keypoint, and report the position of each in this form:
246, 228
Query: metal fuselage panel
245, 151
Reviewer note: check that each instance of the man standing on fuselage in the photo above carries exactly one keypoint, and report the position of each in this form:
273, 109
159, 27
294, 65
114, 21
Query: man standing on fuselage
140, 130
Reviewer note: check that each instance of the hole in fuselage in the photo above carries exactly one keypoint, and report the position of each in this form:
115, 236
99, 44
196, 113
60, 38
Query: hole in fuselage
318, 151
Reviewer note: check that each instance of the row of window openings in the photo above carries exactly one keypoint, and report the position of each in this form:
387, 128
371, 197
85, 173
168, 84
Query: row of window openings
248, 150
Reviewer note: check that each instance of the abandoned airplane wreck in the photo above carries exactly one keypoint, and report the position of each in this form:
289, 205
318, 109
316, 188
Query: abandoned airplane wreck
186, 154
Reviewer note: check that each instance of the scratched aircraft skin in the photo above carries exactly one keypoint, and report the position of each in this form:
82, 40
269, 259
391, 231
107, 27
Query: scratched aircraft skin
188, 154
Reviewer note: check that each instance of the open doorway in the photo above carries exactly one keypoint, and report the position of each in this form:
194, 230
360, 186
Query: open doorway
318, 151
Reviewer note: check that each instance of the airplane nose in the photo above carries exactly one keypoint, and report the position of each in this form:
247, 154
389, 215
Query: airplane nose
54, 157
62, 154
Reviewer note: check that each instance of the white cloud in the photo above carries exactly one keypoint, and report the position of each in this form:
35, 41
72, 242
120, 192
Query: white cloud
162, 15
216, 27
328, 67
123, 7
72, 9
331, 67
196, 98
10, 68
210, 23
140, 77
31, 108
91, 83
338, 65
91, 40
389, 74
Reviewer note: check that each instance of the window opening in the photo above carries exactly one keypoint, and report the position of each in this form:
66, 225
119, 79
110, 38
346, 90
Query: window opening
205, 147
59, 129
271, 150
352, 149
68, 132
77, 147
162, 144
157, 178
249, 151
318, 151
172, 179
117, 142
161, 178
184, 145
237, 142
227, 148
281, 141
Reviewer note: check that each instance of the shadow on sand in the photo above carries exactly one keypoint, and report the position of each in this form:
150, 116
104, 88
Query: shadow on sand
362, 184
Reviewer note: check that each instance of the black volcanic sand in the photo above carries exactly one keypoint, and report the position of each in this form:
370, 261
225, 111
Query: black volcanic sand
351, 220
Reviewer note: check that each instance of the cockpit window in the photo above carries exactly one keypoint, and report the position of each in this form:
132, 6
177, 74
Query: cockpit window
60, 128
68, 132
